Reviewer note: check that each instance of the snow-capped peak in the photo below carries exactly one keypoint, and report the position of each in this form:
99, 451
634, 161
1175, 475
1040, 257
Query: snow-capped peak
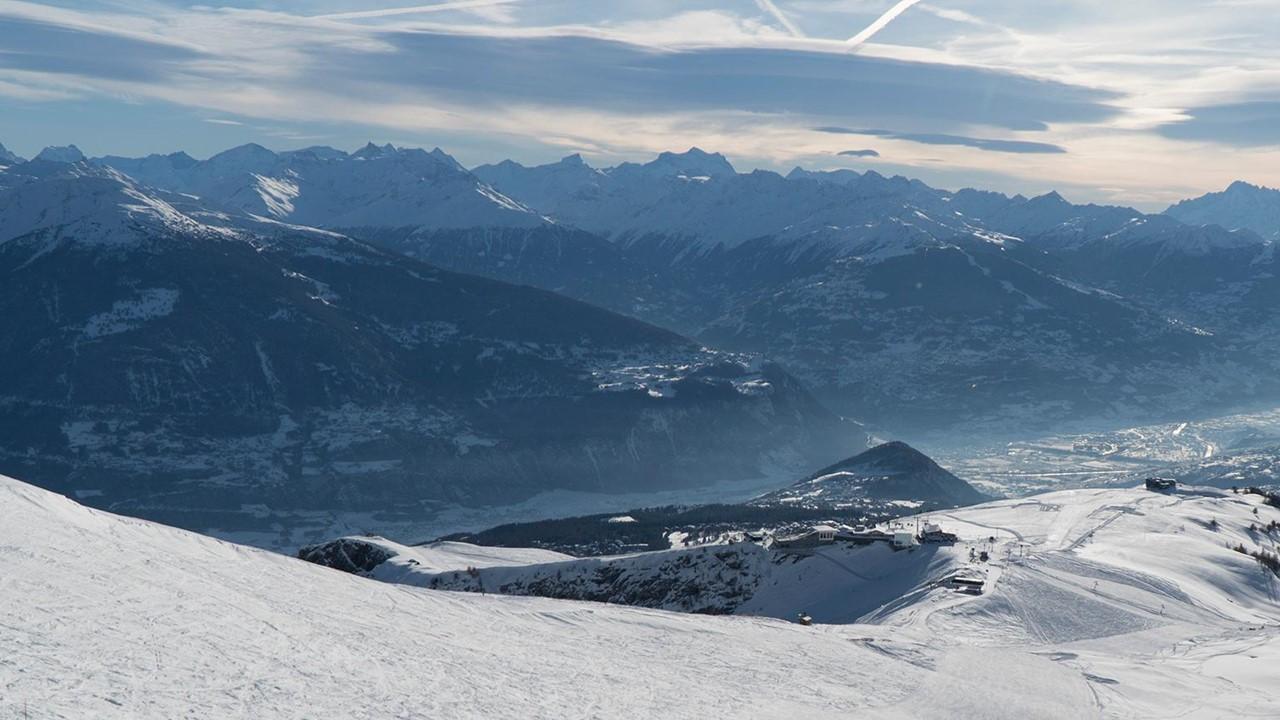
8, 158
243, 156
319, 152
1240, 186
1242, 205
61, 154
694, 162
574, 160
370, 151
1053, 197
447, 160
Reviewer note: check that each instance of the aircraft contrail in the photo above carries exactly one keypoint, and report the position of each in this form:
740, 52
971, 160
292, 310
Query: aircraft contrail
769, 7
880, 23
439, 7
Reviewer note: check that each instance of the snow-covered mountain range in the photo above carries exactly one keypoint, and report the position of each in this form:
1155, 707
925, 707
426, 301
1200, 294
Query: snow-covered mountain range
322, 187
230, 372
966, 311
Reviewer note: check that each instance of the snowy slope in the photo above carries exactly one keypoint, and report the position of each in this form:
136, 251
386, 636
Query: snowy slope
1141, 593
836, 584
1137, 592
1162, 545
389, 560
108, 617
90, 205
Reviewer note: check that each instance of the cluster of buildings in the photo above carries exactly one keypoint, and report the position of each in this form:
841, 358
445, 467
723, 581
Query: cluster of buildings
898, 538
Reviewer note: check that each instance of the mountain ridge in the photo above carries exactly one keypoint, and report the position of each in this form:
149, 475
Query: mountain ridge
1241, 206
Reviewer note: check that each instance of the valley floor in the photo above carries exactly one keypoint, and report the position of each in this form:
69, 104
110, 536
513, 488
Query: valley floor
290, 531
1237, 449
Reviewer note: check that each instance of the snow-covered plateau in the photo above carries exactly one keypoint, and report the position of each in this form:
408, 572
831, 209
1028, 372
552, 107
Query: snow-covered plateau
1096, 603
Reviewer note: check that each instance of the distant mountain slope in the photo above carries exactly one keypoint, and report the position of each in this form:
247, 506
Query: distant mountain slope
893, 471
1240, 206
554, 257
967, 334
233, 373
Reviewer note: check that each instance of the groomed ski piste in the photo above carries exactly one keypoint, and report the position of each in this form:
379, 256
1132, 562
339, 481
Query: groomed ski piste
1097, 603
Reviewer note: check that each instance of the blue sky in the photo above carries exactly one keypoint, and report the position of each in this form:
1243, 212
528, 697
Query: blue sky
1141, 102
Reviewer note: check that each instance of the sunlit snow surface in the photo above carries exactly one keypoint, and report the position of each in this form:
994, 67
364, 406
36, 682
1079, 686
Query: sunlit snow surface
111, 617
1126, 607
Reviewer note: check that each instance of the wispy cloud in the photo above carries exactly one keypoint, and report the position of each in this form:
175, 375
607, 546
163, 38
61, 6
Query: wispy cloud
770, 7
454, 6
859, 153
993, 145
